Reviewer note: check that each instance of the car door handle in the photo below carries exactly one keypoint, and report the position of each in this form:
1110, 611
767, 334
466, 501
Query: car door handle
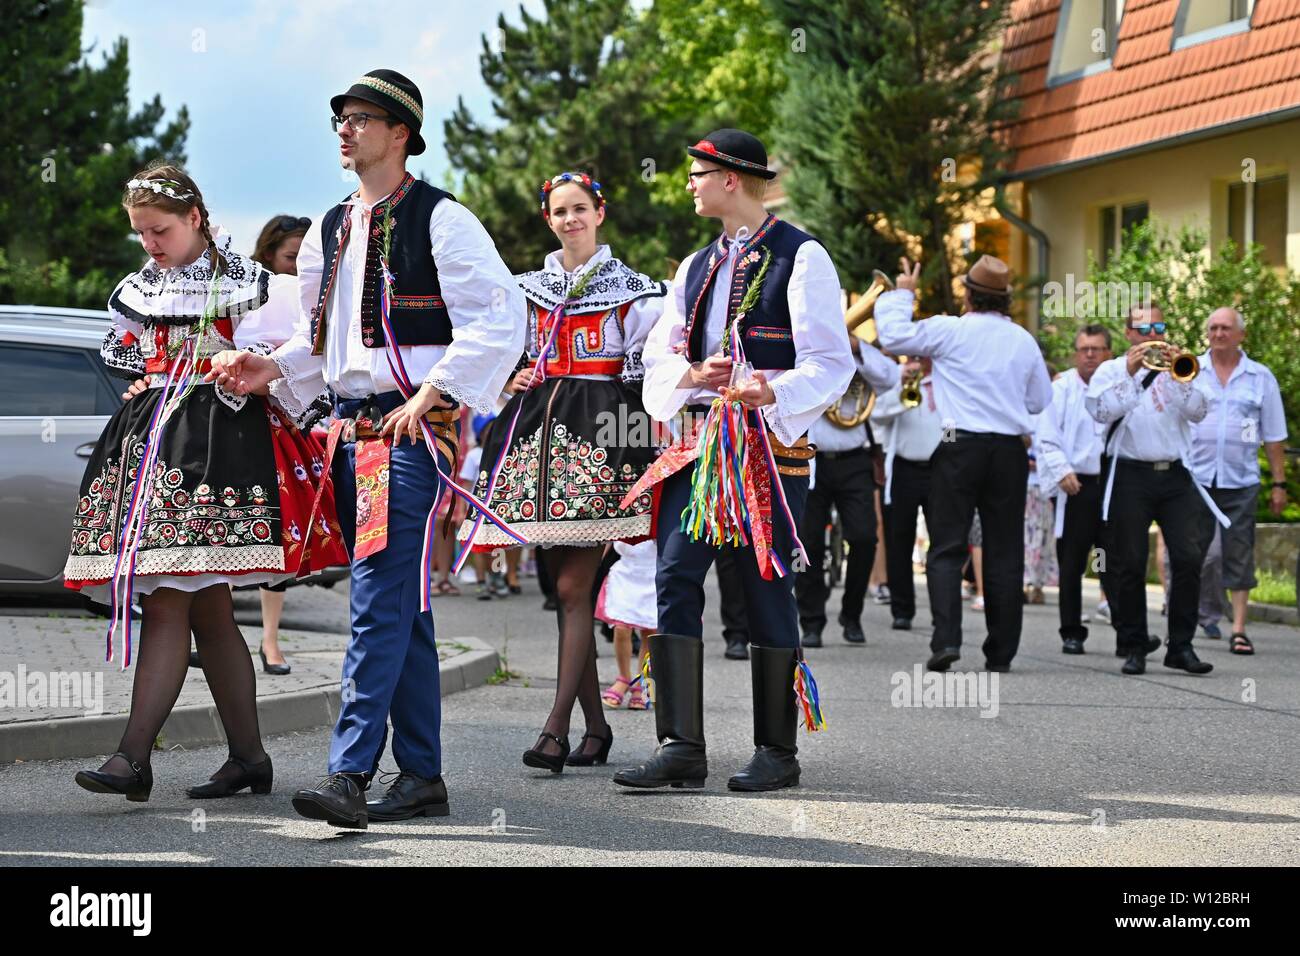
86, 450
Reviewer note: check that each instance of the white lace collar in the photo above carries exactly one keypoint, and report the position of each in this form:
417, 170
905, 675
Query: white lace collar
612, 285
179, 295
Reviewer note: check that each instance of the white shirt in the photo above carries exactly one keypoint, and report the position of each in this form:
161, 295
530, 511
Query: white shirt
881, 374
989, 375
1241, 415
1158, 424
915, 432
1068, 438
824, 364
482, 299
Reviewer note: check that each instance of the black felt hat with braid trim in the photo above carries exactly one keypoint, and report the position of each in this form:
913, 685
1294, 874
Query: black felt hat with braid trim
396, 94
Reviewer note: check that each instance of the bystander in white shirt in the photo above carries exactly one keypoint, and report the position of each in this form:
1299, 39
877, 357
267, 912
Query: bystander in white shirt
989, 375
1240, 417
913, 433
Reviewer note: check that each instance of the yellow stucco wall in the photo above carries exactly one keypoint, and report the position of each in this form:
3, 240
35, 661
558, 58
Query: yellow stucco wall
1182, 184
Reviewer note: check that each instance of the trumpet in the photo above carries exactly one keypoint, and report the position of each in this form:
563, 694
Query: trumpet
860, 318
1181, 365
910, 395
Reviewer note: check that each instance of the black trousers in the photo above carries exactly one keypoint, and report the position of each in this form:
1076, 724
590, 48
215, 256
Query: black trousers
1082, 531
731, 593
989, 472
684, 564
909, 492
847, 483
1142, 495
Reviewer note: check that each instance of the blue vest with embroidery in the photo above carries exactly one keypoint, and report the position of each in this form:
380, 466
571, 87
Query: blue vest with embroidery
416, 311
765, 332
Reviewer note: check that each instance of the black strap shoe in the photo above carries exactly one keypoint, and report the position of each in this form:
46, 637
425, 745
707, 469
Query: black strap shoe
135, 786
580, 757
1072, 645
776, 723
410, 795
1136, 664
677, 668
943, 658
1186, 660
539, 758
338, 800
256, 777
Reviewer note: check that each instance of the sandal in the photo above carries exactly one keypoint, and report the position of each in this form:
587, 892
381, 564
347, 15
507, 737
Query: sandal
1241, 644
613, 697
446, 587
637, 698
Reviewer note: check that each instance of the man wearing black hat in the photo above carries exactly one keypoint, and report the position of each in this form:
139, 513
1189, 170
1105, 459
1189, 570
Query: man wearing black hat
989, 379
453, 315
791, 331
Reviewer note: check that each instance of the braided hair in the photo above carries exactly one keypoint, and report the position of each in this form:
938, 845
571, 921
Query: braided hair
176, 193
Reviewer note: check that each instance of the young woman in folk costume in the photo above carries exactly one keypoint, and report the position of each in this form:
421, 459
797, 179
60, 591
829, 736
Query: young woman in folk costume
230, 486
572, 441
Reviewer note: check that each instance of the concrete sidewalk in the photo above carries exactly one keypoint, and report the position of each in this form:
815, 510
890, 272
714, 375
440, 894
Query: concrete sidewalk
59, 698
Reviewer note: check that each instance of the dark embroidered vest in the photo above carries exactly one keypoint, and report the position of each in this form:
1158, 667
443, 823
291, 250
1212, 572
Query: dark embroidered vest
765, 329
417, 312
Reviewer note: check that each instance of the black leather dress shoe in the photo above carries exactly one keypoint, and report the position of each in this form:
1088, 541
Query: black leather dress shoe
135, 786
942, 659
812, 638
737, 650
409, 796
339, 800
1186, 660
901, 624
1152, 645
853, 631
256, 776
1072, 645
1136, 664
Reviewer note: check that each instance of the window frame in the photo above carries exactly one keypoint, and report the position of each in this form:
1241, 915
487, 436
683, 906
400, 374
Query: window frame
1056, 78
1181, 41
1114, 244
1248, 237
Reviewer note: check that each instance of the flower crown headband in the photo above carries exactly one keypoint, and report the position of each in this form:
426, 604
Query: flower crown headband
163, 187
562, 178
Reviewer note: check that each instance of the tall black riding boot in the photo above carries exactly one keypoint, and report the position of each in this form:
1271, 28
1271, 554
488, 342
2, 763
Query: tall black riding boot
773, 765
677, 665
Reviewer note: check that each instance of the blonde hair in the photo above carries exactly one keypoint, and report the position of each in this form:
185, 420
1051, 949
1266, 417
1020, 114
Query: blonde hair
180, 182
755, 187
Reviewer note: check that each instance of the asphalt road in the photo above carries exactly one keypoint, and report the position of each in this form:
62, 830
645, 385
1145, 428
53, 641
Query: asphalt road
1079, 765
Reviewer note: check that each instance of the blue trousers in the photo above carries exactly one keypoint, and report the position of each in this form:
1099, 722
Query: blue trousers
684, 564
391, 667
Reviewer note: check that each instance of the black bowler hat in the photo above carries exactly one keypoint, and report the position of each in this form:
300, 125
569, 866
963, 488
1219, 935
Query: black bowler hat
396, 94
735, 149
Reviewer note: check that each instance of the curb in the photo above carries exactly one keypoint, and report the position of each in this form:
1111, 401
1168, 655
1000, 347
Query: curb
197, 726
1272, 613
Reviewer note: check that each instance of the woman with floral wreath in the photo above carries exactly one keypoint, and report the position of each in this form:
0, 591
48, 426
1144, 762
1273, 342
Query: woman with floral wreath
572, 441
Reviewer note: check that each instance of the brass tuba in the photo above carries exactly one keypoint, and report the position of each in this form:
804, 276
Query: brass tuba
1181, 365
860, 319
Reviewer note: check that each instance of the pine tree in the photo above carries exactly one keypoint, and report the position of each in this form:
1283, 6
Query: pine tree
63, 235
887, 124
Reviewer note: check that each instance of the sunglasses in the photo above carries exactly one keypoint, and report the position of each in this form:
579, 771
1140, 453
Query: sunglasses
292, 223
1148, 327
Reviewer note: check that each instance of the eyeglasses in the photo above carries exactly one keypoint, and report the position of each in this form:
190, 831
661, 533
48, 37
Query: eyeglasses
292, 223
1091, 349
703, 172
1148, 327
358, 121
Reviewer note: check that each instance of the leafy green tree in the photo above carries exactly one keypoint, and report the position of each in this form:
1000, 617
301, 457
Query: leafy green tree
887, 126
63, 236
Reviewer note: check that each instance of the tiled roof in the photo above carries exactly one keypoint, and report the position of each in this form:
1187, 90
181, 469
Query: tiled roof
1151, 92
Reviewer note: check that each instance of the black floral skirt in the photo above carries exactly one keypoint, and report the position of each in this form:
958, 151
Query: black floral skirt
214, 512
579, 446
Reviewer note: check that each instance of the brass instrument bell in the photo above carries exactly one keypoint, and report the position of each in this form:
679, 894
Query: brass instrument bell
1181, 365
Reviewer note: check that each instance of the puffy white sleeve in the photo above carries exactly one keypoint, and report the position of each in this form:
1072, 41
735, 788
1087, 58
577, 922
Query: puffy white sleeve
881, 372
664, 364
1112, 392
485, 304
824, 364
265, 329
1053, 459
640, 319
302, 374
120, 349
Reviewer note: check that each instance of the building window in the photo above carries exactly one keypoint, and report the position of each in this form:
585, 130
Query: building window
1086, 35
1257, 213
1201, 20
1116, 221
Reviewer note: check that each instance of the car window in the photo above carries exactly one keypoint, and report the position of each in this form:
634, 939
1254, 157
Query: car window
52, 381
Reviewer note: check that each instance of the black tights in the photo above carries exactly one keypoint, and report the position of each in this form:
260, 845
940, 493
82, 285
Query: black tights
160, 668
573, 572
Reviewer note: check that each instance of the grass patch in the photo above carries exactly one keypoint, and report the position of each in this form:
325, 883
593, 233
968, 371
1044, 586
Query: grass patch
1274, 589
